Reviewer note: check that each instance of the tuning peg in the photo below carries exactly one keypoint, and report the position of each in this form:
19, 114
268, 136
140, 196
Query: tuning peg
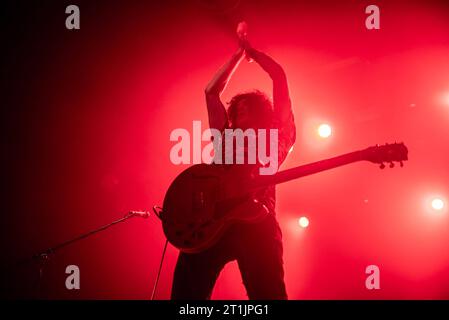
391, 165
382, 166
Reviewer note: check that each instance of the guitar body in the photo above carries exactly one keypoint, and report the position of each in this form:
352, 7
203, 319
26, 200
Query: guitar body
204, 200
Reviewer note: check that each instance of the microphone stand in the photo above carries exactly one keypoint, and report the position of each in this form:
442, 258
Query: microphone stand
43, 256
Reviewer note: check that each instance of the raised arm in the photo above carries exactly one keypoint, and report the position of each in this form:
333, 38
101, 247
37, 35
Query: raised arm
281, 97
217, 113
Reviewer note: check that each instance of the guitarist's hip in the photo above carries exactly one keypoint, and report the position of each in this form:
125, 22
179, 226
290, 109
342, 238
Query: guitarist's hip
251, 236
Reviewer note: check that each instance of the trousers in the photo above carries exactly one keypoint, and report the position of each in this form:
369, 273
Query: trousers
258, 249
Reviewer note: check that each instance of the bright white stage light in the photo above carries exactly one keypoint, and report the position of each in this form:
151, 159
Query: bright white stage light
437, 204
303, 222
324, 130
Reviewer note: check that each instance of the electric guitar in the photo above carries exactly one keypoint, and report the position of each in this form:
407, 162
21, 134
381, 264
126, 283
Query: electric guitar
205, 199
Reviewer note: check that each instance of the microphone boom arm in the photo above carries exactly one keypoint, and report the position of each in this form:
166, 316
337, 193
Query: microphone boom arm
45, 253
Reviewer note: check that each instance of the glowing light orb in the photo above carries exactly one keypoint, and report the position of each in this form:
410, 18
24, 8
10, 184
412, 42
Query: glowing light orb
437, 204
324, 130
303, 222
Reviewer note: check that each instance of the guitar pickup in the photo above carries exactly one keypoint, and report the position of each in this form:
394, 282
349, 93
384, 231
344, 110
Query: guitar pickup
198, 200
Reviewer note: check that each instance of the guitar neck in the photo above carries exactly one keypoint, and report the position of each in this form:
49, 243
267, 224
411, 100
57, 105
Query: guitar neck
308, 169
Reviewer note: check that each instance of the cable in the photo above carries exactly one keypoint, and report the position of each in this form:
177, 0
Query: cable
157, 212
159, 272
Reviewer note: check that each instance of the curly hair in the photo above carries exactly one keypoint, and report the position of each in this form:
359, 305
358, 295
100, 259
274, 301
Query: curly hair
260, 106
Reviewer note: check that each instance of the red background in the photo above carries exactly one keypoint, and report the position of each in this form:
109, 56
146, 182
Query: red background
88, 114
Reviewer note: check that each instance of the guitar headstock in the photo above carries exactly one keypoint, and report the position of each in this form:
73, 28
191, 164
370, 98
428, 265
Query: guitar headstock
390, 153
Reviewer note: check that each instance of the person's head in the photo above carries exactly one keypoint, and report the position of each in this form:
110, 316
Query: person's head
250, 110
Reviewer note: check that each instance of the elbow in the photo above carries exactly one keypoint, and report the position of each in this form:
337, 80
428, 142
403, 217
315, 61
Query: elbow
278, 73
209, 90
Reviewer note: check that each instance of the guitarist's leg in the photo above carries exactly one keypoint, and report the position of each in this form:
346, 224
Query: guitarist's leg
195, 275
261, 263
